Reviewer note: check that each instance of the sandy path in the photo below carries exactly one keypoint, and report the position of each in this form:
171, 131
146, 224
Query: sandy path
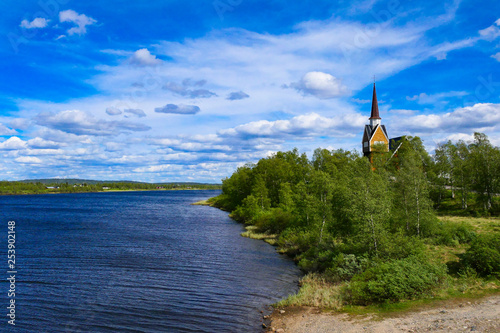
481, 315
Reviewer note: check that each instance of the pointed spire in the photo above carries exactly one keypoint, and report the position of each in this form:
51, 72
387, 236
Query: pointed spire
374, 114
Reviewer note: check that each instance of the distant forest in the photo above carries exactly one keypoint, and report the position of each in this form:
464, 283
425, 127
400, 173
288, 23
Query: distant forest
41, 186
372, 227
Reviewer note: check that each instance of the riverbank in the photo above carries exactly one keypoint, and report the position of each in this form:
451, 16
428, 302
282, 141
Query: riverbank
108, 191
458, 315
312, 308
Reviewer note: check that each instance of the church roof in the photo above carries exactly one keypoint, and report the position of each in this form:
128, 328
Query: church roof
375, 114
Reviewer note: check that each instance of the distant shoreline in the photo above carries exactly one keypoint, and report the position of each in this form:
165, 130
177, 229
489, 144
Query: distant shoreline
109, 191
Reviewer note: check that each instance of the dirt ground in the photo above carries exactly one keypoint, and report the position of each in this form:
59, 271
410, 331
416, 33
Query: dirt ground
481, 315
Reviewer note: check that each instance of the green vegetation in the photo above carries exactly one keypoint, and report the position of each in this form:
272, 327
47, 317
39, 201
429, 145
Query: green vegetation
401, 228
76, 186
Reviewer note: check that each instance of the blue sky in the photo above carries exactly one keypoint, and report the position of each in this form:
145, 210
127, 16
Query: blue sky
165, 91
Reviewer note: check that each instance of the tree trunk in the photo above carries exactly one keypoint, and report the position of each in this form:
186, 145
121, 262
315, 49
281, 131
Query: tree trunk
321, 232
373, 234
418, 205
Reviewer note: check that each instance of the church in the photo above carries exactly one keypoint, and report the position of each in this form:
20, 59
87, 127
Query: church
375, 134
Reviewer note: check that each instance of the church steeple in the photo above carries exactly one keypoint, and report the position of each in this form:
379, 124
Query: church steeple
375, 134
375, 117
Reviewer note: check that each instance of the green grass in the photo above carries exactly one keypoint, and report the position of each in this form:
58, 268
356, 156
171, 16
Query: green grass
251, 232
480, 224
453, 206
201, 203
315, 290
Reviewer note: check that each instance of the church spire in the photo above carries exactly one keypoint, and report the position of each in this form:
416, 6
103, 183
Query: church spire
375, 114
375, 117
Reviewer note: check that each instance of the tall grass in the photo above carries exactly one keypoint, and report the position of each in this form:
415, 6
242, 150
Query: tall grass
315, 290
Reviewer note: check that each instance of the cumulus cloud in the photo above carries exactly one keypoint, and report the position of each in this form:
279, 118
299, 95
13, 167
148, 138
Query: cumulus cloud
37, 23
178, 109
307, 125
28, 160
143, 57
13, 143
18, 123
81, 21
470, 118
135, 112
39, 143
496, 56
183, 90
81, 123
237, 95
112, 111
321, 85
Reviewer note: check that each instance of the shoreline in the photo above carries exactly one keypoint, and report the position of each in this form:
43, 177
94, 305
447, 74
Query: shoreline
305, 319
106, 191
477, 314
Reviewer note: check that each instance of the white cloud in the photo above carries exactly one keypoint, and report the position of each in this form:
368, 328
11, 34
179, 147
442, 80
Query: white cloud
28, 160
308, 125
18, 123
13, 143
158, 168
496, 56
321, 85
460, 137
37, 23
237, 95
40, 143
491, 33
81, 21
471, 118
82, 123
424, 98
178, 109
143, 57
4, 130
183, 90
135, 112
112, 111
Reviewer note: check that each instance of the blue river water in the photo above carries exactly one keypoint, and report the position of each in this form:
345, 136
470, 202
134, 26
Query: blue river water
136, 262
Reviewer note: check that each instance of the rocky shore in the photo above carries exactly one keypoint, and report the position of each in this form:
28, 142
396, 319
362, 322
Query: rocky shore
479, 315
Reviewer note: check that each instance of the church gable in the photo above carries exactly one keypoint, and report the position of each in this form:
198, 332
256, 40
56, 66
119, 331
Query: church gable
379, 137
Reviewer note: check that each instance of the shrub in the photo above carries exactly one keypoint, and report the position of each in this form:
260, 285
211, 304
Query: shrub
452, 234
400, 246
345, 266
294, 241
483, 255
395, 280
273, 221
316, 259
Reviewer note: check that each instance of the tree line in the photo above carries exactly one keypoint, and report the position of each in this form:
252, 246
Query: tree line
470, 170
360, 220
37, 187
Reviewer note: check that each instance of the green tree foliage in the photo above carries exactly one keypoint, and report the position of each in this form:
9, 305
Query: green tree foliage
485, 160
369, 219
471, 168
369, 205
413, 207
483, 255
